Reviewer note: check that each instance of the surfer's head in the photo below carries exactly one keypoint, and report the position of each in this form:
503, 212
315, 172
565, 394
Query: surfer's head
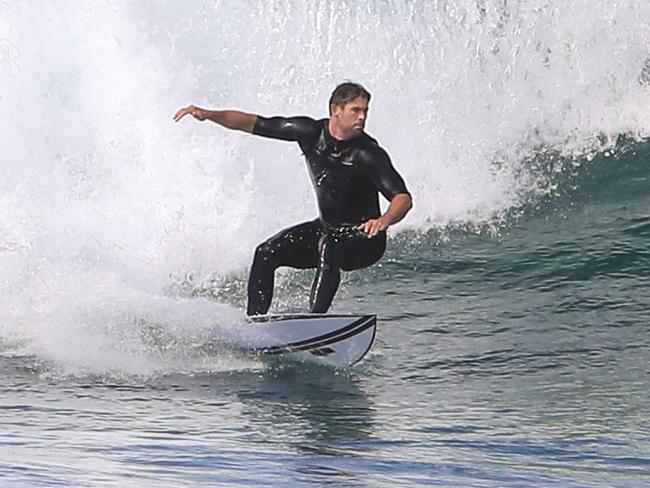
349, 108
346, 92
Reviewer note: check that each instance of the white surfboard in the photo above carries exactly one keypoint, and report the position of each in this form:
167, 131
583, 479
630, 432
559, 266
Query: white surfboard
333, 340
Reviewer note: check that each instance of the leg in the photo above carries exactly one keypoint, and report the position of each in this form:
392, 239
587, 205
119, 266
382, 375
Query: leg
343, 251
296, 247
328, 275
360, 252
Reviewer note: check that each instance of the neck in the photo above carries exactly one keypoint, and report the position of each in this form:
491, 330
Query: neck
336, 132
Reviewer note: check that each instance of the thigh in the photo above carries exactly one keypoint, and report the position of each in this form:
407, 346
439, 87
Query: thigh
296, 246
359, 252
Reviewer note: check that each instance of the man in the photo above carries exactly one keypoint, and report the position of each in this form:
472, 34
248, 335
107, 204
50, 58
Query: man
348, 169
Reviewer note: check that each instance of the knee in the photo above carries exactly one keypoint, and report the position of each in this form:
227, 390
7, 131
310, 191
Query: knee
264, 254
365, 256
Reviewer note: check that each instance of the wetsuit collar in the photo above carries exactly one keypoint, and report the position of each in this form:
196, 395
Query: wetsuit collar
335, 140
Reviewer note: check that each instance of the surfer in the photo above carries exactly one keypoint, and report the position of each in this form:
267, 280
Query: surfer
348, 170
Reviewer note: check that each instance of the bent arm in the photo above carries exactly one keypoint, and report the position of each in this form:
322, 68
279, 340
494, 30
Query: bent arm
231, 119
389, 182
399, 206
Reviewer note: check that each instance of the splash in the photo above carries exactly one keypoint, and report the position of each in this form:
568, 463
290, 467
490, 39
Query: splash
105, 202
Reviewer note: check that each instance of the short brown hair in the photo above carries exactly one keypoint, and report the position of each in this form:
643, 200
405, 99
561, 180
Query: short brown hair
347, 91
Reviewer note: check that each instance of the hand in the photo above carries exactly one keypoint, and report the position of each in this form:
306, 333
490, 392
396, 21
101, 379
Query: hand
374, 226
196, 112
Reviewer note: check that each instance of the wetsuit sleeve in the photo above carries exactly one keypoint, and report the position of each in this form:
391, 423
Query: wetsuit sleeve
285, 128
382, 173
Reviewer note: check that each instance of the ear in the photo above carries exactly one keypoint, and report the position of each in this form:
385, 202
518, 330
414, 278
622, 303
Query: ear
335, 109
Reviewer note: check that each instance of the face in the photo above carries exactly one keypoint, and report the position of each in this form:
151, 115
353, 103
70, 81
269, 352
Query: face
350, 119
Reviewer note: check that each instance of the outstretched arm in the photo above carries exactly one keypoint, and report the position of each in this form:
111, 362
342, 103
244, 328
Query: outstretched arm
231, 119
396, 211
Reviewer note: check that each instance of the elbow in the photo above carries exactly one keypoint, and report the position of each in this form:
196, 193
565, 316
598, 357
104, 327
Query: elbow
403, 203
407, 202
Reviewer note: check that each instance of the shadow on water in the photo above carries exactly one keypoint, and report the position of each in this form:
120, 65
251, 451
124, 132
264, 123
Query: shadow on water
319, 418
330, 406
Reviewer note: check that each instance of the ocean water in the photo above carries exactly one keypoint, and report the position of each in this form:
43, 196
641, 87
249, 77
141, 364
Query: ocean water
513, 302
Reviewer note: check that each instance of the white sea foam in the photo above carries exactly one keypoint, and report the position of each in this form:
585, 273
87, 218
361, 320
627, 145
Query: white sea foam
105, 201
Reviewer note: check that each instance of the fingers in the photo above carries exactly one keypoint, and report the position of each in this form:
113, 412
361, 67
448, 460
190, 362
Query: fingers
195, 112
373, 227
182, 113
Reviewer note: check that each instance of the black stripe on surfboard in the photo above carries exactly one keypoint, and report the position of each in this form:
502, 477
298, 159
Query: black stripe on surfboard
301, 316
342, 330
325, 340
319, 339
314, 346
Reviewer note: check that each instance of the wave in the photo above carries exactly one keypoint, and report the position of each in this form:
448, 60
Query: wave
102, 195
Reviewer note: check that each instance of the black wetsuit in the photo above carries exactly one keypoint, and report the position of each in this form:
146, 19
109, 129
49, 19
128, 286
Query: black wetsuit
347, 177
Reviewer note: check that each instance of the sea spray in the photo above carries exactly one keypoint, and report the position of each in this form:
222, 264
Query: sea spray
106, 203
